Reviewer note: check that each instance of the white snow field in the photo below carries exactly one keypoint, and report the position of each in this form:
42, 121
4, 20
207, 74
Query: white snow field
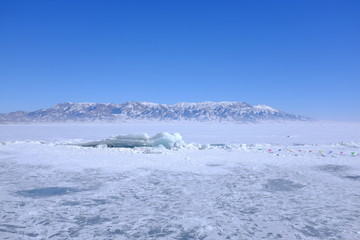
219, 181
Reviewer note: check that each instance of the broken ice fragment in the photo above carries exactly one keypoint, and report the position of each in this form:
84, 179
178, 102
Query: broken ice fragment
163, 139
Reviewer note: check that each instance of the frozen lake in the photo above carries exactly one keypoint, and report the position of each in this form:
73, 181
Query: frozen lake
255, 181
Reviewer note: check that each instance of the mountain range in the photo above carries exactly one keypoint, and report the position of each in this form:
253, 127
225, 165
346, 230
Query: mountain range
203, 111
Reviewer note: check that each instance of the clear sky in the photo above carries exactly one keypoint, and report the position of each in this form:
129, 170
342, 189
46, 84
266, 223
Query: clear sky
298, 56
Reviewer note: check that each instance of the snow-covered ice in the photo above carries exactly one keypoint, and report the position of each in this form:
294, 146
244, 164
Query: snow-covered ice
163, 139
222, 181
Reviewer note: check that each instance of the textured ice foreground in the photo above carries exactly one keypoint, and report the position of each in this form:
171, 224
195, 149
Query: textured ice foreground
306, 187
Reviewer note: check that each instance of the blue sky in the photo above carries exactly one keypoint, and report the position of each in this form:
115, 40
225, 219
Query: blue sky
299, 56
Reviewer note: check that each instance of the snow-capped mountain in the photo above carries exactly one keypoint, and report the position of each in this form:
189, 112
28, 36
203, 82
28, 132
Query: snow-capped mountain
204, 111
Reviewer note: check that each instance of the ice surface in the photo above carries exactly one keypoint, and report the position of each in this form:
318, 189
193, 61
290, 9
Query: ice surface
47, 191
228, 181
163, 139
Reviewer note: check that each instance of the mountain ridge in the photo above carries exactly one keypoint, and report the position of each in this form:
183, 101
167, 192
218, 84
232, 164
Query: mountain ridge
188, 111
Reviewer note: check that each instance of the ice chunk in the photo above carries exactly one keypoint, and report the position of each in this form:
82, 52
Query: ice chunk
167, 140
163, 139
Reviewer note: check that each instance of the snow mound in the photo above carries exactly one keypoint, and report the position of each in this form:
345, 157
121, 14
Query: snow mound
163, 139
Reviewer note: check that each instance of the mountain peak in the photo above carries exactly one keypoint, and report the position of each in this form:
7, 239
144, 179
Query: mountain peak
266, 108
203, 111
